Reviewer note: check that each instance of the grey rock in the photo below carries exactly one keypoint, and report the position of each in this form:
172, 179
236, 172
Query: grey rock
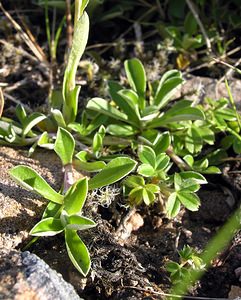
24, 276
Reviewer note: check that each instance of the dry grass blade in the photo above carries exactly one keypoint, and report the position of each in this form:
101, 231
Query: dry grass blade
1, 102
37, 51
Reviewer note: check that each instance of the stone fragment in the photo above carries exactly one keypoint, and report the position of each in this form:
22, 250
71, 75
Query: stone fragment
24, 276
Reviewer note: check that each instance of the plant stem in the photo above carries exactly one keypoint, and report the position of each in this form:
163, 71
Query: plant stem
177, 160
68, 177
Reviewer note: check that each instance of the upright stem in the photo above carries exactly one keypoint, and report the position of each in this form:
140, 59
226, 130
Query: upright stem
68, 177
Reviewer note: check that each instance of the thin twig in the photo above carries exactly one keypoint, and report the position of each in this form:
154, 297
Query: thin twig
198, 20
177, 160
213, 62
39, 54
169, 295
16, 85
31, 37
161, 12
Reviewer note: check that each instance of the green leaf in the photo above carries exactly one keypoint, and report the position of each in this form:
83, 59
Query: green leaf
104, 107
153, 188
189, 160
181, 111
173, 205
121, 130
114, 171
206, 133
76, 222
193, 140
136, 75
77, 251
162, 142
131, 98
200, 179
148, 196
212, 170
189, 200
31, 121
52, 210
189, 185
190, 24
88, 166
47, 227
166, 90
83, 6
75, 197
149, 112
147, 156
70, 91
162, 161
44, 141
64, 146
146, 170
20, 113
57, 114
134, 181
32, 181
136, 196
177, 181
114, 89
172, 267
237, 146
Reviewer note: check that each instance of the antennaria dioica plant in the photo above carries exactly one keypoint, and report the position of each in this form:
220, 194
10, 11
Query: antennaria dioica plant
164, 138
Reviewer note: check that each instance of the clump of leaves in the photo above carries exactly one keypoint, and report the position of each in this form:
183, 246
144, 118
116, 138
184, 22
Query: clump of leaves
38, 129
176, 190
63, 214
189, 262
64, 211
131, 113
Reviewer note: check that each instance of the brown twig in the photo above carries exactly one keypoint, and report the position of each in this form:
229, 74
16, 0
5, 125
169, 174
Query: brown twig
198, 20
147, 290
177, 160
36, 51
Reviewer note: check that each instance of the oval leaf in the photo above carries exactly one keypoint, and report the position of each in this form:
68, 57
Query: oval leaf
147, 156
114, 171
47, 227
77, 251
146, 170
189, 200
31, 121
64, 146
32, 181
76, 222
75, 197
173, 205
136, 75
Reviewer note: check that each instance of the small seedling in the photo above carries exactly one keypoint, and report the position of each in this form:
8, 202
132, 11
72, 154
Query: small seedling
189, 261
